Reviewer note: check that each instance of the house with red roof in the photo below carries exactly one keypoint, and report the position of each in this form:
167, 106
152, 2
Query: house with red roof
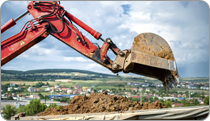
79, 90
76, 87
64, 89
75, 92
177, 104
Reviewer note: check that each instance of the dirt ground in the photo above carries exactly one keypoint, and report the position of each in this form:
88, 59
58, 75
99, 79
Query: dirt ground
100, 103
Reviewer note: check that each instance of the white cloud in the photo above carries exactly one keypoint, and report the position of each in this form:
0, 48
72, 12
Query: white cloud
93, 66
78, 59
184, 27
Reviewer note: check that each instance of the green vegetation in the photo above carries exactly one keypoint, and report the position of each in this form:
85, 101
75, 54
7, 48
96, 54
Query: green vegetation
10, 98
167, 104
43, 75
5, 86
43, 96
34, 107
206, 101
52, 105
40, 84
196, 79
60, 107
8, 111
67, 100
192, 102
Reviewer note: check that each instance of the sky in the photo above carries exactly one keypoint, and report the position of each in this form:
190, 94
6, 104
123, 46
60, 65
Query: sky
183, 24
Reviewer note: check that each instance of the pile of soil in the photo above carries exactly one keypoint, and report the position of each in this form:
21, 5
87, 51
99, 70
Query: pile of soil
102, 102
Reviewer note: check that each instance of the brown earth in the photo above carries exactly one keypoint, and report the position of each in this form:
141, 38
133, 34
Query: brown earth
100, 103
146, 43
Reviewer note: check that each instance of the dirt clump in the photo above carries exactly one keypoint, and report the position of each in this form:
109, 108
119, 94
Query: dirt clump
153, 45
102, 102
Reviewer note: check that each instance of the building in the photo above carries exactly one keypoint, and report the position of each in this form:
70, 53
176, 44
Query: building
155, 90
147, 89
69, 91
100, 91
84, 88
12, 84
191, 87
128, 93
140, 89
16, 88
159, 85
52, 88
64, 89
181, 98
61, 96
135, 96
52, 91
9, 89
79, 90
32, 89
201, 102
76, 87
47, 89
35, 96
58, 89
56, 86
145, 85
75, 92
204, 88
166, 98
14, 94
155, 95
82, 93
38, 89
89, 89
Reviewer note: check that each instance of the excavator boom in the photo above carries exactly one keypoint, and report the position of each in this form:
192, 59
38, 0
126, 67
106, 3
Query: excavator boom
150, 55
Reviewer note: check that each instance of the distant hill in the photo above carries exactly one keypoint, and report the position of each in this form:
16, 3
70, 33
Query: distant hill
52, 74
195, 79
51, 71
74, 74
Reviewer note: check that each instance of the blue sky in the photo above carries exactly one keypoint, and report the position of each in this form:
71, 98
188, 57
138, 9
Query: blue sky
183, 24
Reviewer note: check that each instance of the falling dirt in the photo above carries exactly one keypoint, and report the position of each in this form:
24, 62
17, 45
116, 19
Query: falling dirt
102, 102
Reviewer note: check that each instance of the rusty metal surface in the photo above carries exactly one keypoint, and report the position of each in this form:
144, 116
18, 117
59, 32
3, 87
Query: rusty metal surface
149, 60
151, 56
120, 60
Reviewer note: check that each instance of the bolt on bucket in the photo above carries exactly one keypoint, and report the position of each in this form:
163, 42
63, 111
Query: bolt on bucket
151, 56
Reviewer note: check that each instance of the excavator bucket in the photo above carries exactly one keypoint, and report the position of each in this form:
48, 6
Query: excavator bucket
151, 56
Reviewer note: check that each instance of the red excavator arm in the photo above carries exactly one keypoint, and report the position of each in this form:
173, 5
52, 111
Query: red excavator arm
150, 55
49, 19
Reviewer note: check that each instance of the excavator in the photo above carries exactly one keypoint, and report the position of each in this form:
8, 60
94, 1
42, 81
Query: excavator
150, 55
